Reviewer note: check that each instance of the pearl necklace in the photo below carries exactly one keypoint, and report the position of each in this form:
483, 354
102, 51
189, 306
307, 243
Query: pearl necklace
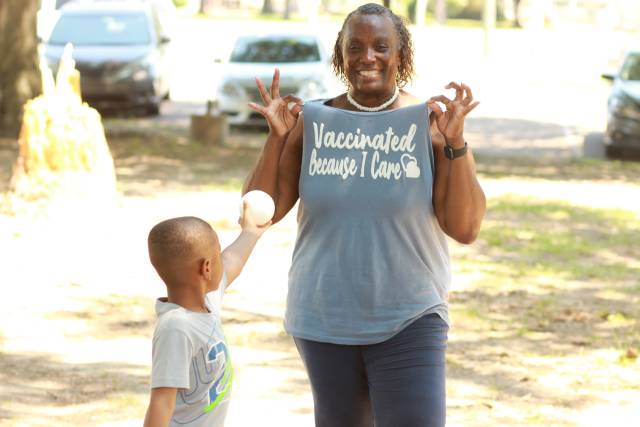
373, 109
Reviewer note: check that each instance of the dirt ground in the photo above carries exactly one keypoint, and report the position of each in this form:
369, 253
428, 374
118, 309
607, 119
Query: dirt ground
550, 349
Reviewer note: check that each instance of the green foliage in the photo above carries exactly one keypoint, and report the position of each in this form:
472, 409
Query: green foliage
180, 3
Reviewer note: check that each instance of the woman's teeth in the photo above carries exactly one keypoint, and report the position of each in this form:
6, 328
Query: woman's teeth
372, 73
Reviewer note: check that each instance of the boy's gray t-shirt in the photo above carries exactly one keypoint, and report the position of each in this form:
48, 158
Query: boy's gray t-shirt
370, 256
190, 354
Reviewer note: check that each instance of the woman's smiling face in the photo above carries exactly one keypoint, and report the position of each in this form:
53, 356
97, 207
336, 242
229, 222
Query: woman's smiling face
371, 55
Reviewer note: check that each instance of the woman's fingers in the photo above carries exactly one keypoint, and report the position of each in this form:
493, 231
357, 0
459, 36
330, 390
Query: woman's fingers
295, 110
471, 107
458, 88
259, 108
468, 95
275, 84
292, 98
435, 107
263, 91
441, 98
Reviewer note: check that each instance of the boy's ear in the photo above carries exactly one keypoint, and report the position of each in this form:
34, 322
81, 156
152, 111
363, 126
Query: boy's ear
205, 268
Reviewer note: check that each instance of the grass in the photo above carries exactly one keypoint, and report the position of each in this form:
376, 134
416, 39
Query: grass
534, 238
576, 169
167, 159
548, 271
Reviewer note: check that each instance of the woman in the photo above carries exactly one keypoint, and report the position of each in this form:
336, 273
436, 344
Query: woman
381, 178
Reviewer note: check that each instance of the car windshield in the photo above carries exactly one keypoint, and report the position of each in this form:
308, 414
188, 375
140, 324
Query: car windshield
275, 50
101, 29
631, 68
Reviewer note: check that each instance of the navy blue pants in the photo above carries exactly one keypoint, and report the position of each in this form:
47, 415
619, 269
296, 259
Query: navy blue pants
397, 383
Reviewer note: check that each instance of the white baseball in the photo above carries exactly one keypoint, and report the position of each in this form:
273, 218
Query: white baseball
260, 206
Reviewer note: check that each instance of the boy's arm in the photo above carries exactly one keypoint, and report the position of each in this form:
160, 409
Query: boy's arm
235, 256
161, 405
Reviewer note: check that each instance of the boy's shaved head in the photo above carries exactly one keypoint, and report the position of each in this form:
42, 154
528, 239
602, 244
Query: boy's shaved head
177, 246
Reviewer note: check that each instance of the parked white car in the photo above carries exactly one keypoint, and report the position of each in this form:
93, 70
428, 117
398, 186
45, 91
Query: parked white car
304, 72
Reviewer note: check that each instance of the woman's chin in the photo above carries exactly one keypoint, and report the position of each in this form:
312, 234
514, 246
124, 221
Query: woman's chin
371, 86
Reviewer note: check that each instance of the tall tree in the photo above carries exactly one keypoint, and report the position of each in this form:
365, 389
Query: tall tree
516, 13
267, 7
19, 70
441, 12
290, 7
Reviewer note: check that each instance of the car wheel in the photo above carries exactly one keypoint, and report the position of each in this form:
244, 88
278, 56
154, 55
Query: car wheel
153, 109
613, 152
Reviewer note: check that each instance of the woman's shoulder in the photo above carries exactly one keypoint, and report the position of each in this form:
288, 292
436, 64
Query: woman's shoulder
339, 101
408, 99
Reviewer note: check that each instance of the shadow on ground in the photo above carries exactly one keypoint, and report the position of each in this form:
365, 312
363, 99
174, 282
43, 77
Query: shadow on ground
553, 304
40, 380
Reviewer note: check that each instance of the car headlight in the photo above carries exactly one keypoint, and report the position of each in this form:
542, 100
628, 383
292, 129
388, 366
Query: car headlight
622, 105
231, 90
312, 89
138, 70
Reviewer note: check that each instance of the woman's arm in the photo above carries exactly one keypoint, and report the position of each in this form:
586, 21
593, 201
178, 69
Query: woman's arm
277, 170
458, 199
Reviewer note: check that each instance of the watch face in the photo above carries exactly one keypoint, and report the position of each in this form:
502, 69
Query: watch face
448, 152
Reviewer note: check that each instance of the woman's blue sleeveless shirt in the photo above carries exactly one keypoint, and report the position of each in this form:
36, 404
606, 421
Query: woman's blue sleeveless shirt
370, 256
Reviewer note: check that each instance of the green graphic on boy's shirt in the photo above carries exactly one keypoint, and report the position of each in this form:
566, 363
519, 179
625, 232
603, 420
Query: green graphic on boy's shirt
226, 379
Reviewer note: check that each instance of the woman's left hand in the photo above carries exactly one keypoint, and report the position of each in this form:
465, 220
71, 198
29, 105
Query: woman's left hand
451, 122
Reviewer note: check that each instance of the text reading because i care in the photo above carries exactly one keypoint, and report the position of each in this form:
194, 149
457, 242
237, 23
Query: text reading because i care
347, 166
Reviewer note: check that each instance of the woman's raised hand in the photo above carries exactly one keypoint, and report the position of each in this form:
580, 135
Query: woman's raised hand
451, 122
275, 110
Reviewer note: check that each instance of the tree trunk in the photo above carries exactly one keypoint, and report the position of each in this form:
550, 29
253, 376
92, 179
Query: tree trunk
387, 4
441, 12
421, 12
291, 7
19, 70
516, 8
267, 7
64, 158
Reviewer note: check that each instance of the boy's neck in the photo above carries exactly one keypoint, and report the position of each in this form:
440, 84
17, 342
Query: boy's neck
190, 299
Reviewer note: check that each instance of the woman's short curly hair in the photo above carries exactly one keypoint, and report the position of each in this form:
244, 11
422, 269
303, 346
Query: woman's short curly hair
405, 69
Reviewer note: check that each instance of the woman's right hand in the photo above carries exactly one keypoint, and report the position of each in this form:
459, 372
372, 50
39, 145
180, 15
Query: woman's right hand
280, 118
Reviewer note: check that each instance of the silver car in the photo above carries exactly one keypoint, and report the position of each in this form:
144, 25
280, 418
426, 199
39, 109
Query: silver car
304, 72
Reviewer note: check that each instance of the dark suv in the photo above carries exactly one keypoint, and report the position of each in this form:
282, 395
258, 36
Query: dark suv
121, 51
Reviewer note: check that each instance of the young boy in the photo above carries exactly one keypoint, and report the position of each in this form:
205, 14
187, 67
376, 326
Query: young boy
191, 371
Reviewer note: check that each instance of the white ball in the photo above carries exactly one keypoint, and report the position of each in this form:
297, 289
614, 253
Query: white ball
260, 206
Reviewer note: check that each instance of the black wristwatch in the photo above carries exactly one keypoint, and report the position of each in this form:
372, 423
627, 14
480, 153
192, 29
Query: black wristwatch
453, 153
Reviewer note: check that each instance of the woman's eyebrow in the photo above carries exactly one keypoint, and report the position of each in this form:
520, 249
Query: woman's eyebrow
356, 39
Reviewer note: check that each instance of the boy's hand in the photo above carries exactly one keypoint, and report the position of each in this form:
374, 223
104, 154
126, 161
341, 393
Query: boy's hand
247, 223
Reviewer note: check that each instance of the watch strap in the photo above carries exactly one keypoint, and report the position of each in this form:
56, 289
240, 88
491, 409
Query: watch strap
453, 153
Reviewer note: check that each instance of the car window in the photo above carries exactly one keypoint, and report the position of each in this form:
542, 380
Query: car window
101, 29
271, 50
631, 68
